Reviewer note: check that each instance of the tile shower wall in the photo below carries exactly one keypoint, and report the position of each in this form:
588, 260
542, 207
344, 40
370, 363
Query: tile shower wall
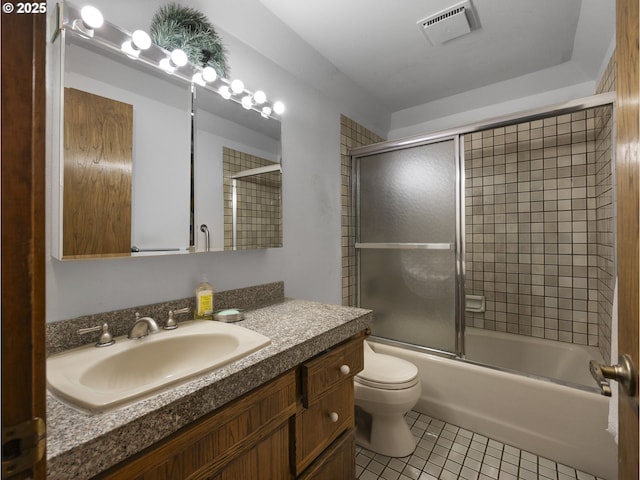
259, 219
352, 135
532, 206
605, 211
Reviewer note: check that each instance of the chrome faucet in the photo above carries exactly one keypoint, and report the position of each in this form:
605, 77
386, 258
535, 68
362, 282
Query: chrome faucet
143, 327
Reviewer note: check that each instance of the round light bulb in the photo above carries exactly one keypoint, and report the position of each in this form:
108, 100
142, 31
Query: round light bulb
128, 48
179, 58
197, 78
209, 74
260, 97
266, 111
247, 102
278, 107
237, 86
166, 65
225, 92
141, 39
91, 16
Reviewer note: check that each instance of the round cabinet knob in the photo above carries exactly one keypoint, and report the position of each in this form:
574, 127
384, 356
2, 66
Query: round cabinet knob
333, 416
344, 369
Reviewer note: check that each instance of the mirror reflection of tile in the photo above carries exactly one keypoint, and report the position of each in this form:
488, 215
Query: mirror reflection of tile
259, 200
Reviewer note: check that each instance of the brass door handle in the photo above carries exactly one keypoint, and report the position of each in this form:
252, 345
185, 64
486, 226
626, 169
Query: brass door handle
624, 373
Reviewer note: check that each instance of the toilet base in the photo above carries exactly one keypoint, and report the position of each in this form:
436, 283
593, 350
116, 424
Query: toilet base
384, 434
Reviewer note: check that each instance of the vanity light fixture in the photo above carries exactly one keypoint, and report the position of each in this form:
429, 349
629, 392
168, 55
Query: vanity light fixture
165, 64
89, 23
177, 59
278, 108
225, 92
266, 111
247, 102
209, 74
259, 97
90, 18
199, 79
237, 86
139, 41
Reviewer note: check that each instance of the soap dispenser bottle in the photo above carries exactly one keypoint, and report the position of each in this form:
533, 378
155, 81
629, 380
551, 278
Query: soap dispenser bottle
204, 300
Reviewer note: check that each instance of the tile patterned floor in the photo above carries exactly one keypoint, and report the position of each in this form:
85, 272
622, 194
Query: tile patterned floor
447, 452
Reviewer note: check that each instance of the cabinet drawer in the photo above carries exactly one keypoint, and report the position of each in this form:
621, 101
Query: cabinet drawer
322, 373
322, 422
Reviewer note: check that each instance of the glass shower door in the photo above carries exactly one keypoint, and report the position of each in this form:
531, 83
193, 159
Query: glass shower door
406, 202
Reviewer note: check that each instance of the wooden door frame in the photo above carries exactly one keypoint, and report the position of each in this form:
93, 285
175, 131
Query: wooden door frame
22, 45
628, 220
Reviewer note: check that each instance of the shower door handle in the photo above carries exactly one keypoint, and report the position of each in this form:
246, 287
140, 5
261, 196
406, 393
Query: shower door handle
624, 373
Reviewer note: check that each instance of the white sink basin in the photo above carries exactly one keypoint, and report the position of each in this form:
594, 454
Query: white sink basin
98, 379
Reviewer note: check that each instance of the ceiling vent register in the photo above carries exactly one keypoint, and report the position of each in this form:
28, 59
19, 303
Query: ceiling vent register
448, 24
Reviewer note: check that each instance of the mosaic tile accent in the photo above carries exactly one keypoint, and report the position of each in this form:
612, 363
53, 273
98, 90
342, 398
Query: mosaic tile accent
448, 452
531, 231
259, 212
352, 135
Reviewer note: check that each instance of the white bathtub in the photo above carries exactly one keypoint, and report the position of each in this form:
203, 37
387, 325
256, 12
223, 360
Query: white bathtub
551, 420
536, 356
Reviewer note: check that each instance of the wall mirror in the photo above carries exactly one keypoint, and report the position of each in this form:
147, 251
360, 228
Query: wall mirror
147, 157
244, 150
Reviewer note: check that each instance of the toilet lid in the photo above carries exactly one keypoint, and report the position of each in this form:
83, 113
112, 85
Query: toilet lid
387, 372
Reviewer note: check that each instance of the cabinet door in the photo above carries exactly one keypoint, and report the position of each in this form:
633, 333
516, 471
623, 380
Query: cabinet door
338, 462
269, 460
97, 175
204, 449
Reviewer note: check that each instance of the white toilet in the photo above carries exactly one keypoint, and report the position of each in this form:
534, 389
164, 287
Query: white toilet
385, 390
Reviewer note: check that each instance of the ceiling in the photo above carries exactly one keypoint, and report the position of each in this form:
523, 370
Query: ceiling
378, 44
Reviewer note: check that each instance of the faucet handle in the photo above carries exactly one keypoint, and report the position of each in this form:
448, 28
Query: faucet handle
171, 324
105, 338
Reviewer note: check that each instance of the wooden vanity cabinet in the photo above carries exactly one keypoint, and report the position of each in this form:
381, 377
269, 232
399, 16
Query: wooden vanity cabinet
337, 462
327, 415
300, 425
249, 438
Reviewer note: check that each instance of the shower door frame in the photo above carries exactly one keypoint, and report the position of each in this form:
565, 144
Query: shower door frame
458, 247
599, 100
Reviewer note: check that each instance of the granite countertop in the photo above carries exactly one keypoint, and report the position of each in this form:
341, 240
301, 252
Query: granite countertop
80, 445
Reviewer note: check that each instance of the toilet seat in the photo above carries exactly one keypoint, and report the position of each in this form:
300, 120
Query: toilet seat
387, 372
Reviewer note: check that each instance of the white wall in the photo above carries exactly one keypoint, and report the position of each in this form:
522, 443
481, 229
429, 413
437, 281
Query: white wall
539, 89
310, 262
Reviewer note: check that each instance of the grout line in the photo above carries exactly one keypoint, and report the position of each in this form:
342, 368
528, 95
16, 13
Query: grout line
439, 456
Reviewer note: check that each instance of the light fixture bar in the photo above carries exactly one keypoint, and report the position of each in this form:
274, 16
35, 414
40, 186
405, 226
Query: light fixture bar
113, 38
